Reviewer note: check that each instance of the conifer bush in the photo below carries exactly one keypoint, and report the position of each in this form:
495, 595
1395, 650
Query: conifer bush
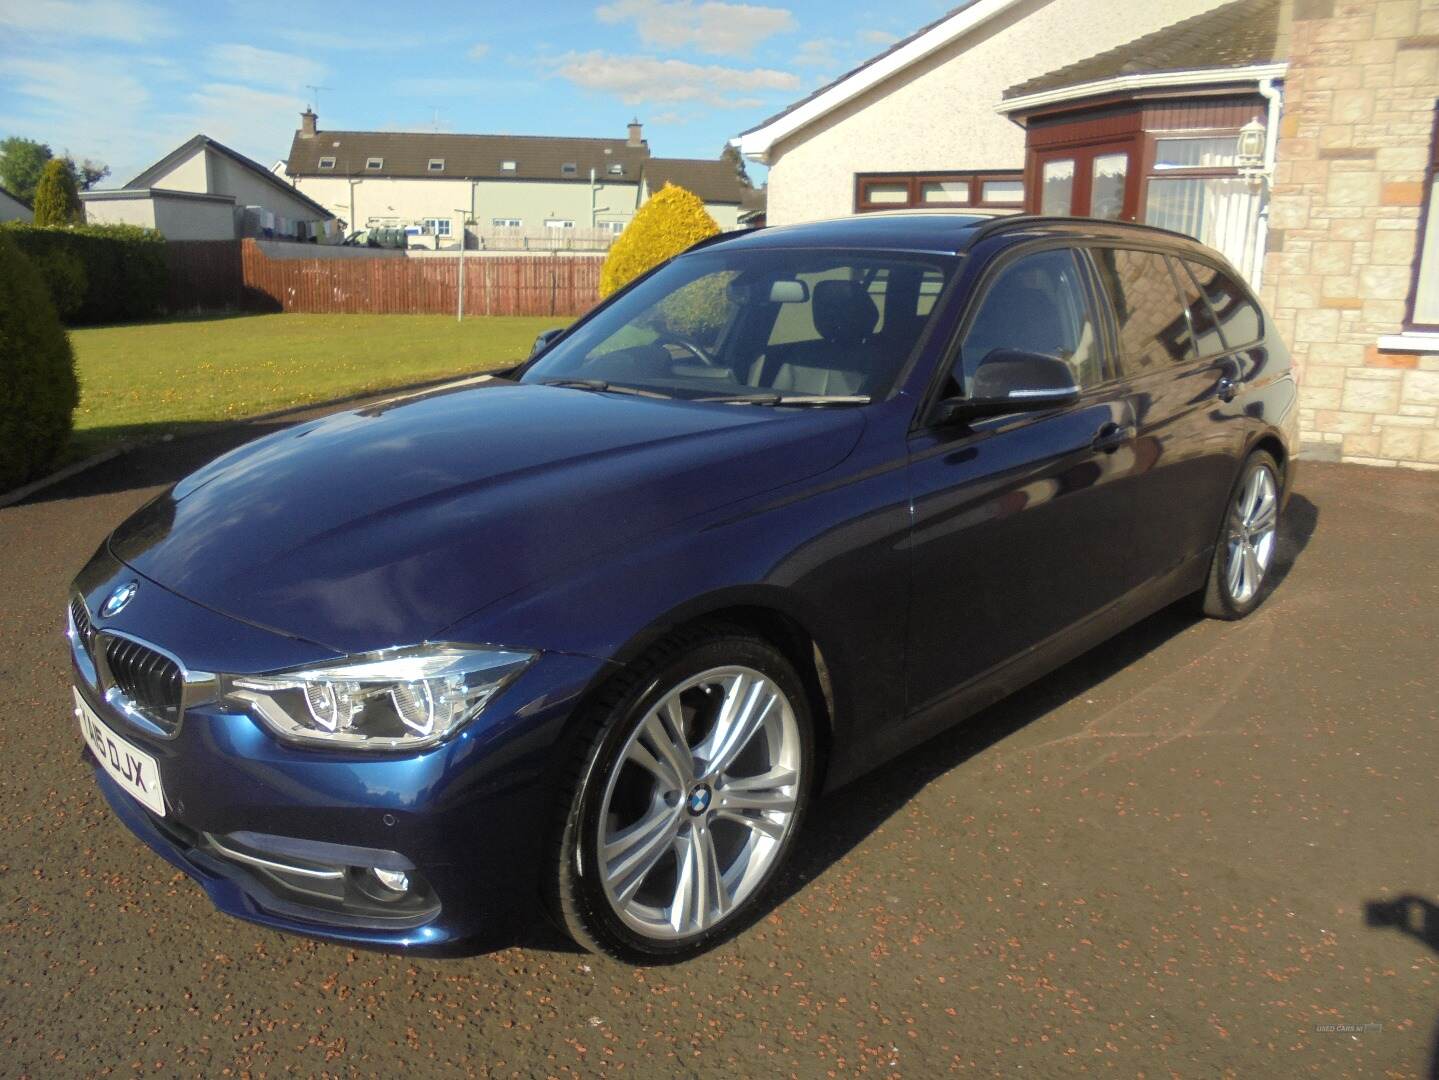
38, 389
668, 223
56, 200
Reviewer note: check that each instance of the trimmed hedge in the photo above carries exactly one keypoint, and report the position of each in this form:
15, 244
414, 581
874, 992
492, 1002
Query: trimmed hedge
669, 222
97, 273
38, 389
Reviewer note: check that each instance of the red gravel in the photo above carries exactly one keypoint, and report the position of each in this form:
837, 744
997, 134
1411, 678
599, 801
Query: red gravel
1155, 862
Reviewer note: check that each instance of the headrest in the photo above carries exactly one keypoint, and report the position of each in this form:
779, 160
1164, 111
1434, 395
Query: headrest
844, 312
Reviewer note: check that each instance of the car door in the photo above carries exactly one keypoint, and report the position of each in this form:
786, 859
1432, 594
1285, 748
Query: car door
1178, 381
1020, 527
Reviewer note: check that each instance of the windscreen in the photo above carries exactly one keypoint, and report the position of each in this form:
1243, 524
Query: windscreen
732, 324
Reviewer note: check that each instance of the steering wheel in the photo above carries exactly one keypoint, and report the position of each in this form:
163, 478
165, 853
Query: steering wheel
697, 351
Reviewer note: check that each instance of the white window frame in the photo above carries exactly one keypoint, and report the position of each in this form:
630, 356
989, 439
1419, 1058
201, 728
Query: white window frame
509, 166
617, 168
437, 164
507, 223
374, 164
327, 163
559, 224
440, 226
570, 168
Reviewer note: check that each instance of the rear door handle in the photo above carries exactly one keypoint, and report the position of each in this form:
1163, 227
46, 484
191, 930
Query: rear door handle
1111, 437
1226, 388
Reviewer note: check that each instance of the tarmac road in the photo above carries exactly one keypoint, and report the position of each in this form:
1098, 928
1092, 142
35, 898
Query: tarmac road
1179, 855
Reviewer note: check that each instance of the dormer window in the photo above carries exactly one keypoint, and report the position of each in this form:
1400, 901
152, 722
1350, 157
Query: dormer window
508, 166
327, 163
374, 164
569, 168
437, 164
617, 169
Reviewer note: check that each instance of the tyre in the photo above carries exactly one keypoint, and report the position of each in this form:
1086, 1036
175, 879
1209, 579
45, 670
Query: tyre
684, 796
1248, 537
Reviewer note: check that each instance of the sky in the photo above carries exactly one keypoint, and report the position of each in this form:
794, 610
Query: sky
126, 81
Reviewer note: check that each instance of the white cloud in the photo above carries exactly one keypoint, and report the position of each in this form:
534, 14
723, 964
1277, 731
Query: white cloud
55, 101
113, 20
264, 67
709, 26
637, 79
877, 37
817, 52
333, 41
254, 122
479, 50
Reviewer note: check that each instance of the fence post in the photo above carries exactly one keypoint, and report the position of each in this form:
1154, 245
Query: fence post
460, 292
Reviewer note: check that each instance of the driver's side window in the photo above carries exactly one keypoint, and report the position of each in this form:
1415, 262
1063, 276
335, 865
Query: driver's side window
1037, 304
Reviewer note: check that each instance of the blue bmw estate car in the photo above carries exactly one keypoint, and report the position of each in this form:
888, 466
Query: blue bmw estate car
591, 634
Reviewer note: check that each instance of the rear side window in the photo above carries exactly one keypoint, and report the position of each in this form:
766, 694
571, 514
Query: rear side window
1207, 341
1037, 304
1153, 332
1238, 315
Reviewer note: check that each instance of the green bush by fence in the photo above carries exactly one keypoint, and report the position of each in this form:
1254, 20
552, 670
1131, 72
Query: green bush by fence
38, 390
97, 273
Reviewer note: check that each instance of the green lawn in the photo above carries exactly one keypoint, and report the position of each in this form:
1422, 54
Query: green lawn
152, 378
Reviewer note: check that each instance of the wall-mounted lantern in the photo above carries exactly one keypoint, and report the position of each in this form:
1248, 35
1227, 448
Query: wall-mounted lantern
1250, 151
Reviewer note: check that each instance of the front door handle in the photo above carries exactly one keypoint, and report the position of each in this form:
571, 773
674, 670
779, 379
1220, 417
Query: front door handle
1226, 389
1111, 437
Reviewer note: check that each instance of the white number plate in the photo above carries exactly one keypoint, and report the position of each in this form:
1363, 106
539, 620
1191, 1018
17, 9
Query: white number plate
131, 768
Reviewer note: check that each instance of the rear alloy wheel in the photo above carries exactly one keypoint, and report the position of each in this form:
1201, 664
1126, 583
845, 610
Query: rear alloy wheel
1247, 541
691, 793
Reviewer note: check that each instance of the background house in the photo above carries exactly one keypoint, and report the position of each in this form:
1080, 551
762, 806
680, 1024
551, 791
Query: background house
916, 125
203, 190
1296, 136
517, 184
1151, 131
13, 209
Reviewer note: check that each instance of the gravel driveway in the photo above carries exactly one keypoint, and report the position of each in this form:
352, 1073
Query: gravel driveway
1184, 853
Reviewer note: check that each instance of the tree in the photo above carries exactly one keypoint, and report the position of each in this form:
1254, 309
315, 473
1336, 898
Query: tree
731, 154
87, 172
37, 373
668, 223
21, 163
23, 160
56, 202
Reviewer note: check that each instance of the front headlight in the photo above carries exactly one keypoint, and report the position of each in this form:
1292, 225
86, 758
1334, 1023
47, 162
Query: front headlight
398, 700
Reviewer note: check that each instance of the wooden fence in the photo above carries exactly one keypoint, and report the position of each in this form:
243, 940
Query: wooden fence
494, 285
204, 275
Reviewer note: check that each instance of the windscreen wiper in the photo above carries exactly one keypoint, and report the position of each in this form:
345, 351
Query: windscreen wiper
601, 385
788, 399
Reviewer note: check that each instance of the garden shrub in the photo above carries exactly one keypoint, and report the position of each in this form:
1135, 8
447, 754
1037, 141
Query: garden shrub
123, 272
669, 222
38, 389
56, 201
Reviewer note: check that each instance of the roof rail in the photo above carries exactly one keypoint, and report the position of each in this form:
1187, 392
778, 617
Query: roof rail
1018, 221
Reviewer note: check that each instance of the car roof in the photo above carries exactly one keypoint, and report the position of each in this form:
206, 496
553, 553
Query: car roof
942, 232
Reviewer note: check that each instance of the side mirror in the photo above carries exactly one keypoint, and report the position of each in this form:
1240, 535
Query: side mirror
1009, 380
544, 340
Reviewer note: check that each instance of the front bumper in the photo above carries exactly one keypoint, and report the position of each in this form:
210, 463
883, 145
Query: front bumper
259, 823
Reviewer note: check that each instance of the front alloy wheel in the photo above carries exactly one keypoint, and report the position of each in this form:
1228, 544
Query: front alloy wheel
691, 793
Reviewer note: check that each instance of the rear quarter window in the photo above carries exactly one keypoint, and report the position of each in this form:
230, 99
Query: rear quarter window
1148, 314
1207, 341
1235, 311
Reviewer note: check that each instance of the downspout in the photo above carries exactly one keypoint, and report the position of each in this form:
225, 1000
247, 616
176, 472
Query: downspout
1275, 97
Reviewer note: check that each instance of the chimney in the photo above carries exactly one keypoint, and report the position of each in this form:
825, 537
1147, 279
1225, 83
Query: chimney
307, 122
635, 138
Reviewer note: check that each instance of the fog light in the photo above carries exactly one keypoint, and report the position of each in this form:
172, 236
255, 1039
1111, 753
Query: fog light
394, 880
